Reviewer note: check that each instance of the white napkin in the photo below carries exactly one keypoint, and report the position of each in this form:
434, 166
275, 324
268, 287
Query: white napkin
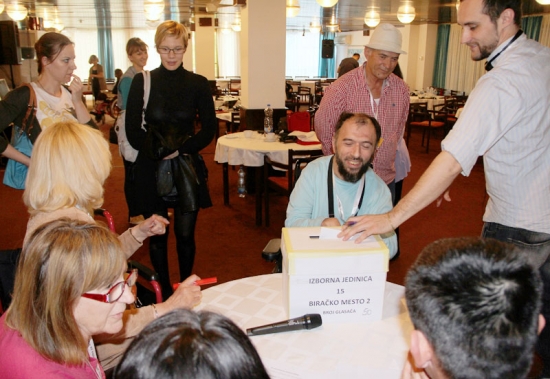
303, 136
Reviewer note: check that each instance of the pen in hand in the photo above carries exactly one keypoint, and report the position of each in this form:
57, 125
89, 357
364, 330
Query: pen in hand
201, 282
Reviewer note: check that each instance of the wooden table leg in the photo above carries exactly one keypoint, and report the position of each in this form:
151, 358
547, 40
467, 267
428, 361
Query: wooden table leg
225, 175
259, 190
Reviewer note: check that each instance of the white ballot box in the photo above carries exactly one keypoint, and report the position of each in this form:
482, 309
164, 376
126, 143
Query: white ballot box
341, 280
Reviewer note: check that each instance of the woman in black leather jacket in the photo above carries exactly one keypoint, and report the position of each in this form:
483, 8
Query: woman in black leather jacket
176, 98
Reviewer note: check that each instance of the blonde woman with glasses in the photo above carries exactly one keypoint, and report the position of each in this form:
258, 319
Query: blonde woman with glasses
178, 99
69, 286
70, 164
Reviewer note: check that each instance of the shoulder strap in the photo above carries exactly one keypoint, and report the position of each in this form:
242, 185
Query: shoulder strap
146, 90
330, 190
31, 108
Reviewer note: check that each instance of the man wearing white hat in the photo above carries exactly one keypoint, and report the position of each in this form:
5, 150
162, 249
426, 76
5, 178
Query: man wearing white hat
374, 90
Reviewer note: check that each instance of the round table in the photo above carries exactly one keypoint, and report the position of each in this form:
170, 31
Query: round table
235, 149
349, 350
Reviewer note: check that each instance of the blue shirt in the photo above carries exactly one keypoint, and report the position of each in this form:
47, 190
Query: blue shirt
308, 204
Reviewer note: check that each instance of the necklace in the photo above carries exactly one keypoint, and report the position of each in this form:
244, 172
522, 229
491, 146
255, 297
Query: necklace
44, 89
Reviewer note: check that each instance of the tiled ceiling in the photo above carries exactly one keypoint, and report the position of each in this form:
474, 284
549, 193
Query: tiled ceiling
348, 13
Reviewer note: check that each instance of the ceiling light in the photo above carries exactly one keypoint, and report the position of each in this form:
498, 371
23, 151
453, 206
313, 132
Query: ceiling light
406, 13
1, 6
292, 8
314, 27
372, 18
153, 9
543, 2
327, 3
16, 11
333, 28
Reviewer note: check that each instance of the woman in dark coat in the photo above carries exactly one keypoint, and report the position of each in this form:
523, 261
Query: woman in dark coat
176, 98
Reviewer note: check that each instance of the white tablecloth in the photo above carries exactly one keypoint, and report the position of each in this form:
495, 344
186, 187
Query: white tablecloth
431, 102
226, 116
377, 350
235, 149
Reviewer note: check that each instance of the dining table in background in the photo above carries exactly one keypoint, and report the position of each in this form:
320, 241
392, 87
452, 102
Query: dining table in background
236, 150
348, 350
432, 101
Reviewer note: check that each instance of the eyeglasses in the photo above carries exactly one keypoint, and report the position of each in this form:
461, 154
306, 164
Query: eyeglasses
116, 291
176, 50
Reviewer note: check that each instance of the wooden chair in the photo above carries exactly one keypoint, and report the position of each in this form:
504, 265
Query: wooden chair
421, 117
234, 86
284, 184
448, 112
304, 97
235, 123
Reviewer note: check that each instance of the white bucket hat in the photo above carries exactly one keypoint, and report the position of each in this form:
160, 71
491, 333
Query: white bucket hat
386, 37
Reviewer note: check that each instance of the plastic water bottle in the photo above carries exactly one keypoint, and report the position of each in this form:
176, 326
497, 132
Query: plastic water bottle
241, 183
268, 119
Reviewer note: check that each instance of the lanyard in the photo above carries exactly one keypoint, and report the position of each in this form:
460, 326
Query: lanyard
358, 195
489, 63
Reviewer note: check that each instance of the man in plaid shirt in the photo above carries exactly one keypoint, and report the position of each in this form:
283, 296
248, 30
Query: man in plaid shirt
374, 90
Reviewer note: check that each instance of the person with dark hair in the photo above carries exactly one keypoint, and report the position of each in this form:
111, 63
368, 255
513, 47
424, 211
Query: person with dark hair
354, 189
55, 54
475, 306
348, 64
188, 344
118, 75
507, 121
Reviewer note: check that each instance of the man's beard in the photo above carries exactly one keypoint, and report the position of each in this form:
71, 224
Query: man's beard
350, 176
485, 51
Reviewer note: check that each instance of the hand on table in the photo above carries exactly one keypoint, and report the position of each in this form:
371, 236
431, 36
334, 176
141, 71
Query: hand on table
367, 225
187, 295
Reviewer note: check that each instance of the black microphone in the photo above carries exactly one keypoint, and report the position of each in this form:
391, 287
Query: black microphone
308, 321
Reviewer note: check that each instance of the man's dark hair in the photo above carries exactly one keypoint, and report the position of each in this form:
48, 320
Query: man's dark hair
494, 8
477, 302
361, 119
188, 344
356, 55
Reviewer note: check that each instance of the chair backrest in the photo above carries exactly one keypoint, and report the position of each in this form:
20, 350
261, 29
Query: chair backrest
418, 111
299, 121
287, 184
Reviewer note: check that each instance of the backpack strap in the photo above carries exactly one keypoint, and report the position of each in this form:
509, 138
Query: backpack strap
146, 90
31, 111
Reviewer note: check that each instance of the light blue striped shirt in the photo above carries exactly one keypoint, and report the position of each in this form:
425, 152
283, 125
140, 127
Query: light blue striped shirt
507, 121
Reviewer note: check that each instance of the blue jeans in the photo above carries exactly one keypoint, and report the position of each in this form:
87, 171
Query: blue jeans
536, 246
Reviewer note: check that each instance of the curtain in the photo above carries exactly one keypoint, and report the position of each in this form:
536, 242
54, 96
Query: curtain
531, 26
327, 66
462, 73
441, 49
229, 52
302, 50
544, 37
104, 39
